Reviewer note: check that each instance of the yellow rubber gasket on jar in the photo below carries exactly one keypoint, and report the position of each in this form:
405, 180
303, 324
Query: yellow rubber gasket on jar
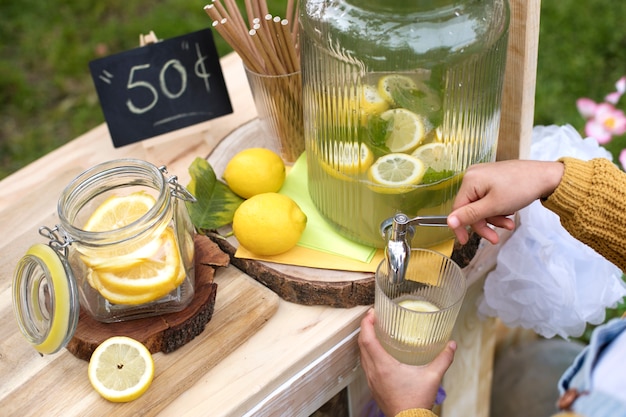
60, 305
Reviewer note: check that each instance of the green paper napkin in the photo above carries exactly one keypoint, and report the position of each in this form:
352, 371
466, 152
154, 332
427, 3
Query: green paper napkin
318, 234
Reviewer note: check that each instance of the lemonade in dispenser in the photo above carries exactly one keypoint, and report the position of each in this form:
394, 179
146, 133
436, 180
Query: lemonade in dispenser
399, 99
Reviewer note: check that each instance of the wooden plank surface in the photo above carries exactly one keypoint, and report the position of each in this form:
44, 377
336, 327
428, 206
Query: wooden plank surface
242, 307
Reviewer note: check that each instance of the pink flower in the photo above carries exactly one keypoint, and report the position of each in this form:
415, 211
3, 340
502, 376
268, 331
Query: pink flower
620, 88
586, 107
606, 122
613, 97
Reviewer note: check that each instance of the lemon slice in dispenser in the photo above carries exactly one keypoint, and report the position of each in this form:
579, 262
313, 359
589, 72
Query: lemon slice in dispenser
396, 173
406, 130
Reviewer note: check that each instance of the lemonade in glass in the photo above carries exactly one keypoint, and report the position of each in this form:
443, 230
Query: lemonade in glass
415, 317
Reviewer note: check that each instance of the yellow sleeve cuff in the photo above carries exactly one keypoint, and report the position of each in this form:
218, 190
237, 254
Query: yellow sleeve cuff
573, 189
416, 412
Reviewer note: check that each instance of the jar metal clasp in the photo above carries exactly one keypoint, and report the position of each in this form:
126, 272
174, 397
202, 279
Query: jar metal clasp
178, 190
58, 239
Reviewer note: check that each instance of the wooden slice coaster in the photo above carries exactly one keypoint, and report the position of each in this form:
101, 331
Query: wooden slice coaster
312, 286
167, 332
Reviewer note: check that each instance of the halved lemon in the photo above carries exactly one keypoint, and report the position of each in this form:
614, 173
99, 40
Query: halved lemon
121, 369
119, 211
391, 85
406, 130
156, 276
396, 173
434, 155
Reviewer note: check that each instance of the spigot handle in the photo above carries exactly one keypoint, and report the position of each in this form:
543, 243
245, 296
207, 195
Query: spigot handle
441, 221
400, 224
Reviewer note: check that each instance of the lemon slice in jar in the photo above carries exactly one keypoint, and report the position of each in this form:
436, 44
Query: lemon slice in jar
396, 173
406, 130
119, 211
121, 297
121, 369
153, 277
114, 213
113, 261
142, 275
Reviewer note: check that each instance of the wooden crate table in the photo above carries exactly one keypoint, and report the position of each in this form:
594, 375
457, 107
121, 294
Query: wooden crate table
290, 363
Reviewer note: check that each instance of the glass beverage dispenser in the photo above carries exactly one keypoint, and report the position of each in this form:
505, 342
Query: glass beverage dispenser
399, 98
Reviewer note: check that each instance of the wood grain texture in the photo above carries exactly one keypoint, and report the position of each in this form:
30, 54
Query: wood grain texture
518, 99
311, 286
242, 307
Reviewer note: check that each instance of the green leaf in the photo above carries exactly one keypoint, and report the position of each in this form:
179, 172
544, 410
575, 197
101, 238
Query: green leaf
216, 203
433, 176
375, 135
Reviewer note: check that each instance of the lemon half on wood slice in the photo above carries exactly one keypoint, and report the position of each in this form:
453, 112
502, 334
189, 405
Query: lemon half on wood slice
121, 369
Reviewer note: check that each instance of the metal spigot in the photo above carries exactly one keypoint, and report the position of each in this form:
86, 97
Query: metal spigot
398, 231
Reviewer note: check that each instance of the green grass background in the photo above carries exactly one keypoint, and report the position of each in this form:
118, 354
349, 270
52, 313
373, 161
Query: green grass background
47, 97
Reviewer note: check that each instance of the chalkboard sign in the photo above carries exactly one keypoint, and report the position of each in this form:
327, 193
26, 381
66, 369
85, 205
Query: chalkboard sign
161, 87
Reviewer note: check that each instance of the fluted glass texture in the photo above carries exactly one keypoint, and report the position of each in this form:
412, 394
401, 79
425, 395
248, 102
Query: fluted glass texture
365, 62
414, 318
278, 101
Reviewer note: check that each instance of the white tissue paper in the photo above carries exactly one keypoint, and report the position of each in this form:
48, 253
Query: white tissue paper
545, 279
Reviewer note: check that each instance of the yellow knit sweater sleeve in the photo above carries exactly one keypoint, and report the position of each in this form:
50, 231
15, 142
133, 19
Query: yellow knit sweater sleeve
421, 412
591, 203
416, 412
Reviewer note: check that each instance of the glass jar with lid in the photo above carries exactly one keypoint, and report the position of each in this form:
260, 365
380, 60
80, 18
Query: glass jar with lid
123, 249
399, 98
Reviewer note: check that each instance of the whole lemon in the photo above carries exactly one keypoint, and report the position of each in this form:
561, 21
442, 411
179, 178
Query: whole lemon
255, 171
268, 224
